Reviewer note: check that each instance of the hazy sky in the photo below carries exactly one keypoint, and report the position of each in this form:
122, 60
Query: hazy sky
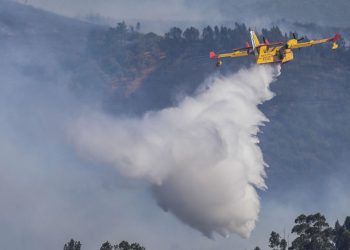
48, 193
254, 12
138, 9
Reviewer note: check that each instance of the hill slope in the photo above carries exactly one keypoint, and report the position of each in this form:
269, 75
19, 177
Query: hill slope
306, 142
131, 72
306, 138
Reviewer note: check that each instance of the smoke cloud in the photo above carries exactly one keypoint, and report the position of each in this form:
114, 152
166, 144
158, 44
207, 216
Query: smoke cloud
201, 157
189, 12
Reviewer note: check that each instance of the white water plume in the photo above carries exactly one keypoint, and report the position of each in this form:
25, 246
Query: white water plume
201, 157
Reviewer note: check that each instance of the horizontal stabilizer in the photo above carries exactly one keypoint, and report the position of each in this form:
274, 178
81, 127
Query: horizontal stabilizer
336, 38
212, 55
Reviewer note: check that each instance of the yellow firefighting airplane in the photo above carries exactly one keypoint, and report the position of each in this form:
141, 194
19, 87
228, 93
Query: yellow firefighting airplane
272, 52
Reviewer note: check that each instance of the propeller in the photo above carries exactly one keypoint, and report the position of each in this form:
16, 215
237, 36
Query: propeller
266, 41
295, 37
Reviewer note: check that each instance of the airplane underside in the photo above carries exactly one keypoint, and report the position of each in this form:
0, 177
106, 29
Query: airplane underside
272, 55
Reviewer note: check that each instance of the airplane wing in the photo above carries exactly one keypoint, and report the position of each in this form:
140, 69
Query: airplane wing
240, 52
236, 53
273, 45
296, 45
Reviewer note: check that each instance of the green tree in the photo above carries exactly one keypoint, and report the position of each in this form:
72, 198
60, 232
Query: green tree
225, 37
174, 34
313, 233
208, 34
274, 240
172, 42
138, 26
191, 34
347, 223
137, 246
106, 246
283, 244
342, 235
124, 245
216, 33
72, 245
121, 28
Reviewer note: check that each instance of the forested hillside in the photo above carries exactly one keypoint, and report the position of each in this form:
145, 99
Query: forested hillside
46, 184
307, 139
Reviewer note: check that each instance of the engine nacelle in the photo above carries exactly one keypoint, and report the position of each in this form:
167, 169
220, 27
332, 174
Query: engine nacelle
292, 42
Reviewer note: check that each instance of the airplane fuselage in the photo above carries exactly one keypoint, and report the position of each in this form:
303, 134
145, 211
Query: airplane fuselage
273, 55
267, 52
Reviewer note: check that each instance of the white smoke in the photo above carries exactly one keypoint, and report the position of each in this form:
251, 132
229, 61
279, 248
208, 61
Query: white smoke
201, 157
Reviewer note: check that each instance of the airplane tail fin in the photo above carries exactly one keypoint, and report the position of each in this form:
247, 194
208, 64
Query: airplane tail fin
335, 40
212, 55
255, 41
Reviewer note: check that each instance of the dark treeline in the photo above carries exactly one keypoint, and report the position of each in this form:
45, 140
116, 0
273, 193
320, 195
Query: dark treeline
123, 42
123, 245
312, 233
122, 60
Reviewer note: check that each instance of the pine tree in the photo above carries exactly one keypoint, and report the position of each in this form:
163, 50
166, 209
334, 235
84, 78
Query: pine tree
342, 235
72, 245
106, 246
